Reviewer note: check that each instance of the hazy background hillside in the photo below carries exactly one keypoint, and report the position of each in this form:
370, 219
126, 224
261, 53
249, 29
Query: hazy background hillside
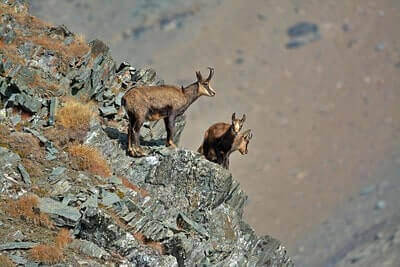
325, 115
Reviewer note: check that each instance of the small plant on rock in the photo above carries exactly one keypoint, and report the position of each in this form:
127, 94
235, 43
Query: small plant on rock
87, 158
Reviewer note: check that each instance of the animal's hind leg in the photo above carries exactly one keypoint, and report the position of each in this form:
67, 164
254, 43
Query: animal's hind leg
139, 151
170, 127
131, 135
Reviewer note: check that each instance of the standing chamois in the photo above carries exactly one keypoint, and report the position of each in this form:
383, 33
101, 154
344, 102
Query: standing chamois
240, 143
150, 103
219, 138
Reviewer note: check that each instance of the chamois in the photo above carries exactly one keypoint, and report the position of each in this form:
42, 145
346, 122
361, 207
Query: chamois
218, 139
149, 103
240, 143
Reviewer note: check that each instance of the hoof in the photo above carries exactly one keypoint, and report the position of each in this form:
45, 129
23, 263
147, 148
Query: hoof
171, 145
140, 152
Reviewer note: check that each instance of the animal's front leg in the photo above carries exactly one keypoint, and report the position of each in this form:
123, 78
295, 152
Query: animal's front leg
220, 157
170, 127
226, 162
138, 151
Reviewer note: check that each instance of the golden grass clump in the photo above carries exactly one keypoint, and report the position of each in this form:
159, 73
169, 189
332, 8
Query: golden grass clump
77, 48
6, 262
25, 145
87, 158
26, 208
35, 170
46, 254
63, 238
75, 115
10, 51
51, 254
39, 82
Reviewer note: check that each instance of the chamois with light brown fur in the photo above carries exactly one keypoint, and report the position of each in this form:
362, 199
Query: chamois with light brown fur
219, 138
149, 103
240, 143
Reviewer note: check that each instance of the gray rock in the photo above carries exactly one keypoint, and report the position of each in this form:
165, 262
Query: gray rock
18, 236
367, 190
52, 110
56, 174
144, 77
60, 188
302, 33
18, 259
8, 159
381, 204
118, 99
60, 213
90, 249
24, 174
28, 103
17, 245
108, 111
51, 150
39, 136
15, 119
91, 202
109, 198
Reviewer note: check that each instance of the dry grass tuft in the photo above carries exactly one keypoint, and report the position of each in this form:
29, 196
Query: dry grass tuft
24, 144
10, 51
72, 122
75, 115
77, 48
35, 170
51, 254
46, 254
87, 158
6, 262
26, 208
135, 188
39, 82
63, 238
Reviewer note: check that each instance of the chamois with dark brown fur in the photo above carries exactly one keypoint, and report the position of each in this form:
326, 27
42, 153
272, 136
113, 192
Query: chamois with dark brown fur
218, 139
149, 103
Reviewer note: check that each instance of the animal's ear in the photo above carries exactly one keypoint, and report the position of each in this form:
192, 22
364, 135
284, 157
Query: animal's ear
243, 118
234, 116
199, 77
247, 134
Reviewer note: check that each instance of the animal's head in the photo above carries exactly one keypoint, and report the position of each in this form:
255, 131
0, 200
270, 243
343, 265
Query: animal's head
237, 123
204, 84
244, 140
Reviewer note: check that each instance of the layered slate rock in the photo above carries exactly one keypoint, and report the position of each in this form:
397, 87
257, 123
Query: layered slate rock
194, 208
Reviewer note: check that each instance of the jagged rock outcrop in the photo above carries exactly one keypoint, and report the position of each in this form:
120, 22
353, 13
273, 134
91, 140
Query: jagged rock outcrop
170, 208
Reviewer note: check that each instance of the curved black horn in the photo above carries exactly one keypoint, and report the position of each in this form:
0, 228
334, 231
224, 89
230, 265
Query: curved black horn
211, 74
199, 77
234, 116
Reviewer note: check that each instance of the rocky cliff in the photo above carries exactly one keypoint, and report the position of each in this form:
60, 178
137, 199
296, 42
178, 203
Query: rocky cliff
69, 193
